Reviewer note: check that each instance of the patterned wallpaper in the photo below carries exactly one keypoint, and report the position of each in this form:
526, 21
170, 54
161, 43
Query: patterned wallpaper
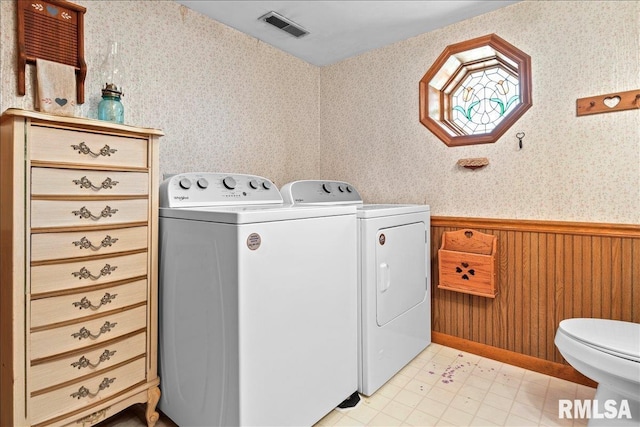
570, 168
228, 102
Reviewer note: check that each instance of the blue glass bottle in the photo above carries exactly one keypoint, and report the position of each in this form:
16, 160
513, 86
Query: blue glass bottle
110, 108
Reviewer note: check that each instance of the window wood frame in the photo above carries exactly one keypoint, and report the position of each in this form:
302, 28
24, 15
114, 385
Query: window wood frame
437, 120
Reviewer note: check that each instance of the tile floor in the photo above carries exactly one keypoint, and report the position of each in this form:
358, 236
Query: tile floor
447, 387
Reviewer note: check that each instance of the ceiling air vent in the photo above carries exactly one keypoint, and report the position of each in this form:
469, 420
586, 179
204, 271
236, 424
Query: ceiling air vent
284, 24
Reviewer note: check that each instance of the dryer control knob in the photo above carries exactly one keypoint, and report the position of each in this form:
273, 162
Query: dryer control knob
327, 188
203, 183
266, 185
229, 182
254, 184
185, 183
349, 189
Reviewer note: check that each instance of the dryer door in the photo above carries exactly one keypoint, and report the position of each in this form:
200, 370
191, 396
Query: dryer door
400, 270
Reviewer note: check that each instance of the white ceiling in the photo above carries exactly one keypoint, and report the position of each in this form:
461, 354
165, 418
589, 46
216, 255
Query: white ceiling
342, 29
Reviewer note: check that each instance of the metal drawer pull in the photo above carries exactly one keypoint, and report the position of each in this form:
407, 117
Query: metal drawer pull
83, 362
85, 243
84, 182
86, 274
85, 333
84, 392
86, 213
85, 303
92, 418
82, 148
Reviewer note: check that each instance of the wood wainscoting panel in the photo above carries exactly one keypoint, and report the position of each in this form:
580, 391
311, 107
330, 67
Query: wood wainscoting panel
554, 369
548, 271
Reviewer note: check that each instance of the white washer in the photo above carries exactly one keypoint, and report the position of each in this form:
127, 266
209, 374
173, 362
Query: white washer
394, 295
258, 304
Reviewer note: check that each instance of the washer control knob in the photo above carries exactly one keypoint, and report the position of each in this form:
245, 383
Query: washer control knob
349, 189
266, 185
229, 182
341, 188
185, 183
327, 188
254, 184
202, 183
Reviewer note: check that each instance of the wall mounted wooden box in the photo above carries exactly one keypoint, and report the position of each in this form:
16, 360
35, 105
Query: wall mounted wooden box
468, 262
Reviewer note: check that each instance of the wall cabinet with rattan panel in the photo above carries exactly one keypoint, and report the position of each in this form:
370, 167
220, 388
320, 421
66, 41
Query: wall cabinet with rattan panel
78, 263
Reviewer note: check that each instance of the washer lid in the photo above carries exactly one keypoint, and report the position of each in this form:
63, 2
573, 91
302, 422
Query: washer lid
254, 213
377, 211
615, 337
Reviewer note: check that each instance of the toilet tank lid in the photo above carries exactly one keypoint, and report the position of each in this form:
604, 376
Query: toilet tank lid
612, 336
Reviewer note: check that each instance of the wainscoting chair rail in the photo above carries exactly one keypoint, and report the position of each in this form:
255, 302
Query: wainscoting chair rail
542, 226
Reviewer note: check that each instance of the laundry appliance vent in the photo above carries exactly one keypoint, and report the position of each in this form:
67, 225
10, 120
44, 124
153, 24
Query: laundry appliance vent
284, 24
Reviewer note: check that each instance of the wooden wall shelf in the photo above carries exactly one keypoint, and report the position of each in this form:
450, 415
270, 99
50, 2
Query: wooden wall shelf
609, 103
473, 163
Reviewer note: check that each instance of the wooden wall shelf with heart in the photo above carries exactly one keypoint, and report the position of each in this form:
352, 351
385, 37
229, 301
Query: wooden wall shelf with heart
619, 101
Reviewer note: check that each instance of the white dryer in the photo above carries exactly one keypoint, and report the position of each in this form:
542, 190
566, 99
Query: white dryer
258, 304
394, 278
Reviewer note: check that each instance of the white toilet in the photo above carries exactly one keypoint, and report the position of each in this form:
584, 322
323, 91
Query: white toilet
608, 352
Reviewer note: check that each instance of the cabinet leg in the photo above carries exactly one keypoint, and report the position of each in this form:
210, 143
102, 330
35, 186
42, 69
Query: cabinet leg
151, 413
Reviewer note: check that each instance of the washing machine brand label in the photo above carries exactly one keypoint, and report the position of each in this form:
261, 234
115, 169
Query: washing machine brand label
382, 239
181, 197
254, 241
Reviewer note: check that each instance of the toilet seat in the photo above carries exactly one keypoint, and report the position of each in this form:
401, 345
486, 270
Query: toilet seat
614, 337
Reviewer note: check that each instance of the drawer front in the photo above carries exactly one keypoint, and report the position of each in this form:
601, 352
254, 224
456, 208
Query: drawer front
86, 333
47, 246
86, 391
70, 146
45, 375
88, 272
78, 213
80, 182
47, 311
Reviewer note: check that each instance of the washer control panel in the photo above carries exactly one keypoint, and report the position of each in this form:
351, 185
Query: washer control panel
216, 189
318, 192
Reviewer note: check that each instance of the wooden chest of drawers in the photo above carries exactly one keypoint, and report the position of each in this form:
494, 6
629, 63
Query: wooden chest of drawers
78, 267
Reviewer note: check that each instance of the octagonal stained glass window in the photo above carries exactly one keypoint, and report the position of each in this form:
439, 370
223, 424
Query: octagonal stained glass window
475, 91
483, 99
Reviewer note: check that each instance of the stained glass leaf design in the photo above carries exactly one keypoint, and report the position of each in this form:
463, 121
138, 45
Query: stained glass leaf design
511, 101
500, 104
479, 102
473, 104
459, 108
